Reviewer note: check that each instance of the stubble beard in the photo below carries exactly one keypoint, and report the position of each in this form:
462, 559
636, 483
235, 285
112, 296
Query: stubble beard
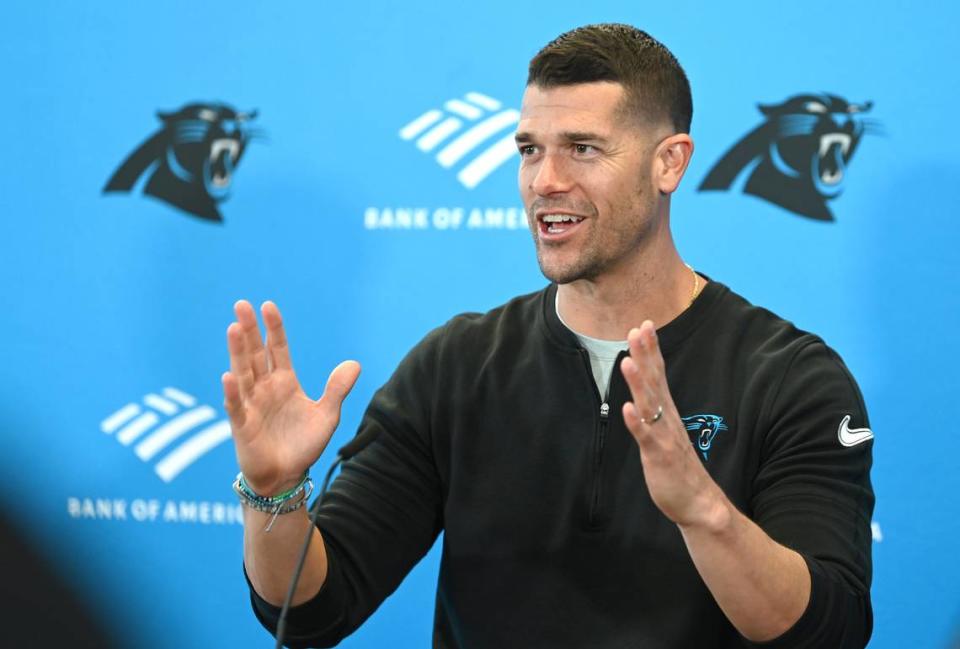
587, 265
601, 249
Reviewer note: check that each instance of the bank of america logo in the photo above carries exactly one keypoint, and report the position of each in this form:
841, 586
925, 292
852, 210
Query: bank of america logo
483, 118
158, 427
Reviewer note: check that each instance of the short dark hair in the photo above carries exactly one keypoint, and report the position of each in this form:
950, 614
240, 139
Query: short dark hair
657, 87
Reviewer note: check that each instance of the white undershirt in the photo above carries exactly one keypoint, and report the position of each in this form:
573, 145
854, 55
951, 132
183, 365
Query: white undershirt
603, 354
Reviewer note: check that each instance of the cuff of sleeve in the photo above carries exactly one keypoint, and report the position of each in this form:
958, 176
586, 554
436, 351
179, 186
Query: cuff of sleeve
309, 621
813, 623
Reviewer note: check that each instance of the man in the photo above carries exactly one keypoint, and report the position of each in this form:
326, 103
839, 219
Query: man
743, 518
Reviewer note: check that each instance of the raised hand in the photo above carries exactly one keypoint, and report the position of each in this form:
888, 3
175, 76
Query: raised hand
676, 479
278, 430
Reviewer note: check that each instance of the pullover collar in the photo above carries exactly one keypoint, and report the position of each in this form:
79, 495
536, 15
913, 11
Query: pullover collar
670, 335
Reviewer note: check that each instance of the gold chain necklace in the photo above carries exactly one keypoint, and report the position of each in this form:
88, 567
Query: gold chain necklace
696, 285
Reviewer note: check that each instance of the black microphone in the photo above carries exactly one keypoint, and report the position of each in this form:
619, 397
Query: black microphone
357, 444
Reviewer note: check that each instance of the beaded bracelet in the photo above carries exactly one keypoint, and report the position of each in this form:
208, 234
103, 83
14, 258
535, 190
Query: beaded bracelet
284, 503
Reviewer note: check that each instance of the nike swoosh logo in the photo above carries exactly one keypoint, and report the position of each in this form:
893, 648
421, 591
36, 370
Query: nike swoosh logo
852, 436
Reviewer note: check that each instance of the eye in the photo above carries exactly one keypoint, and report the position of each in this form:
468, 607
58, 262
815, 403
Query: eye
527, 149
814, 107
584, 148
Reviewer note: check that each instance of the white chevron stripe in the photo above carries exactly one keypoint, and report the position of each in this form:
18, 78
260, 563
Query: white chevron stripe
182, 398
417, 126
438, 133
187, 453
487, 162
453, 152
172, 430
463, 109
482, 100
119, 418
157, 402
137, 427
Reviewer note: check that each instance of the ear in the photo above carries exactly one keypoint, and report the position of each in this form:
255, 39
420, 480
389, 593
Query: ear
768, 109
670, 162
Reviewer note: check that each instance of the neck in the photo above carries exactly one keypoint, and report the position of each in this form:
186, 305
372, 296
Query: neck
656, 285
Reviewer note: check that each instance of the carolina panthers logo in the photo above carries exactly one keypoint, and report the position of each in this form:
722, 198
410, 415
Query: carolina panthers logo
191, 159
798, 158
704, 429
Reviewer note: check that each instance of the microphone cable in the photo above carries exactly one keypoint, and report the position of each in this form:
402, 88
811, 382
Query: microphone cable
356, 445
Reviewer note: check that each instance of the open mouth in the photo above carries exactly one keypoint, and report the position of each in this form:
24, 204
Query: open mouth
833, 152
556, 226
223, 156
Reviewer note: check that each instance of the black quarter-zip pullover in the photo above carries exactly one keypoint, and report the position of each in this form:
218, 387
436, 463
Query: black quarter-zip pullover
492, 431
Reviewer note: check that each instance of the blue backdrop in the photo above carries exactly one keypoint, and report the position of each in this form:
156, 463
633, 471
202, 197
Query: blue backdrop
373, 200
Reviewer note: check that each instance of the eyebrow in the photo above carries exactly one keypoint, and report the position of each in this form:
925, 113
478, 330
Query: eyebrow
570, 136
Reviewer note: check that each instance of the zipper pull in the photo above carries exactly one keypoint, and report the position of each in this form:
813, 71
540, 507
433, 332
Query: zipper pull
604, 410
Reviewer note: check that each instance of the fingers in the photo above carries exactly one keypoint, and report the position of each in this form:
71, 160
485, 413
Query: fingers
253, 341
642, 369
232, 401
278, 354
644, 346
631, 417
341, 381
641, 411
644, 373
240, 367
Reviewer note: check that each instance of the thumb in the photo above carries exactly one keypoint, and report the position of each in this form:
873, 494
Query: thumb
341, 381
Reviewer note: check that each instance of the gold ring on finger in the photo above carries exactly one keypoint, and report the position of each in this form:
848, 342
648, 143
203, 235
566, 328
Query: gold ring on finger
655, 418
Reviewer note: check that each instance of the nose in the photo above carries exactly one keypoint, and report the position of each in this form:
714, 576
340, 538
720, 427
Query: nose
551, 176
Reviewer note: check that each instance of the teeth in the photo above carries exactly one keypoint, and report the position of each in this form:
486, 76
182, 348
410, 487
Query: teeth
832, 178
232, 147
560, 218
828, 140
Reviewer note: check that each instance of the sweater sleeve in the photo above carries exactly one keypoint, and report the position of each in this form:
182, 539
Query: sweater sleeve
381, 515
813, 495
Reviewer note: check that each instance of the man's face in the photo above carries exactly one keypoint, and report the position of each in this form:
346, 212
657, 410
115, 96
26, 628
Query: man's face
584, 178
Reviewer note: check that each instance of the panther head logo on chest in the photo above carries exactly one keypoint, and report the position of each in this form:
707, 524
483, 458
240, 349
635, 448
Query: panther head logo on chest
703, 430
